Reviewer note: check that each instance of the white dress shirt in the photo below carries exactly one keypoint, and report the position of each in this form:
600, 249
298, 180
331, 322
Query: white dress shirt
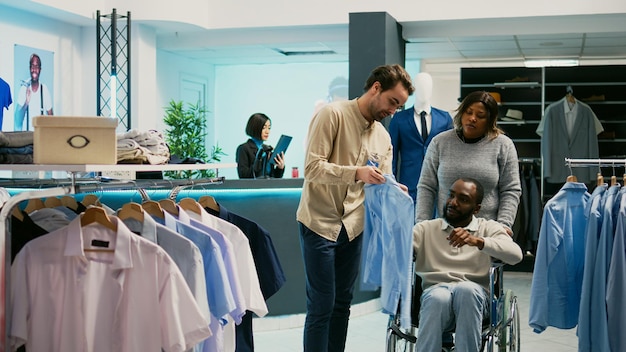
246, 268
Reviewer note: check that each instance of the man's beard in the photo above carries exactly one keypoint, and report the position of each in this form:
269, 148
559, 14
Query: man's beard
459, 217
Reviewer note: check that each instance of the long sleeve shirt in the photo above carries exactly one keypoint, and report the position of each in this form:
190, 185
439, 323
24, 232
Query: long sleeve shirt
616, 281
599, 324
593, 215
437, 261
340, 140
386, 254
558, 273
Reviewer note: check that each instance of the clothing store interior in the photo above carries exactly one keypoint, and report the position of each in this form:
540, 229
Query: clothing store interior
557, 71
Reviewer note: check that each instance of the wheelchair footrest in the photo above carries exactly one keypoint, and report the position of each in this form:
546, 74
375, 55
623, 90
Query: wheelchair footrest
396, 330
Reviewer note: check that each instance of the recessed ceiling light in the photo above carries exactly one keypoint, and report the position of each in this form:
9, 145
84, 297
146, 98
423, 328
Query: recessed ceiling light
305, 52
551, 44
551, 63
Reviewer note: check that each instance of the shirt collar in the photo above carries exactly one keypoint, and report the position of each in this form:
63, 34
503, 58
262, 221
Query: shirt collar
122, 258
149, 230
567, 109
472, 226
258, 143
183, 217
419, 109
362, 120
575, 186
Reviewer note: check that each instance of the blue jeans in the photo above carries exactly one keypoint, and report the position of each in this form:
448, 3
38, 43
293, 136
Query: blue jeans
331, 270
447, 305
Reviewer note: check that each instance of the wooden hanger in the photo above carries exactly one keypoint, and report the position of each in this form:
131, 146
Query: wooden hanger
53, 202
191, 205
69, 202
153, 208
90, 199
569, 94
571, 177
17, 213
131, 210
169, 206
97, 215
34, 204
613, 180
599, 179
209, 202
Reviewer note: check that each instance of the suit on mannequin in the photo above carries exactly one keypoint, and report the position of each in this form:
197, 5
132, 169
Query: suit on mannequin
405, 128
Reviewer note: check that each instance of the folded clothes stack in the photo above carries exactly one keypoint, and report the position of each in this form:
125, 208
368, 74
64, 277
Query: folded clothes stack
142, 147
16, 147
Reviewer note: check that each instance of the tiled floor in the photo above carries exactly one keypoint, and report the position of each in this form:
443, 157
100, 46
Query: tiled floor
368, 326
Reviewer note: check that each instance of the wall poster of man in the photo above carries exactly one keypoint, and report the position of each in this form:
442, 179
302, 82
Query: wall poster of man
33, 86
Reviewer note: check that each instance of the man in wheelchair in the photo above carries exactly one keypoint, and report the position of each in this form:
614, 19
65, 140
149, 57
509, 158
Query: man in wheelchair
453, 256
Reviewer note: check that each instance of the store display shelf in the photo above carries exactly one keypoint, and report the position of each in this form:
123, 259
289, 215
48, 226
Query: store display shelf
517, 84
114, 168
578, 84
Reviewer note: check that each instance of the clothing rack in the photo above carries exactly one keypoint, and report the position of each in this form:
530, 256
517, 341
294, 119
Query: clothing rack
87, 185
613, 163
73, 185
534, 162
595, 162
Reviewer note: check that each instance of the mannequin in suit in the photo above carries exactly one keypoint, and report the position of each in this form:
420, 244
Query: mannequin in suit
405, 128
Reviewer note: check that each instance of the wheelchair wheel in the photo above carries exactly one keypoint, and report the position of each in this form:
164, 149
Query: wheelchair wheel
509, 334
399, 340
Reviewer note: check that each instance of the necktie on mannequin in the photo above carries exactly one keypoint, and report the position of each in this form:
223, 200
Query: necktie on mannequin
424, 128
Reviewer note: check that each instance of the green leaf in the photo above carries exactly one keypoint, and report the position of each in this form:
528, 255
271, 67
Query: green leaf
186, 137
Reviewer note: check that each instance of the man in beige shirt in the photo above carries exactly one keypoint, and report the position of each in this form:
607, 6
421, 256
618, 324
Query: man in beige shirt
347, 147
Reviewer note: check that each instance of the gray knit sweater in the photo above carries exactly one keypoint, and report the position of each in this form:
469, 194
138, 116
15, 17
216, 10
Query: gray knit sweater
493, 162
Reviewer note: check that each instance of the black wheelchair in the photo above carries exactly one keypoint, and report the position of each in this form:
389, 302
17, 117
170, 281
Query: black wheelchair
501, 329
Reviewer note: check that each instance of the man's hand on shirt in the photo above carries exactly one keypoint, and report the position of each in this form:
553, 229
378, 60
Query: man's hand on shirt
460, 237
370, 174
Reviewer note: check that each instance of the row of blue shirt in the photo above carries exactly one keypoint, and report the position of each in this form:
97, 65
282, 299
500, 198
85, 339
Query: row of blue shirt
579, 277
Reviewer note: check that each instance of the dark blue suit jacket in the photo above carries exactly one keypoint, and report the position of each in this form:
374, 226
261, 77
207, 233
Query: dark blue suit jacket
408, 147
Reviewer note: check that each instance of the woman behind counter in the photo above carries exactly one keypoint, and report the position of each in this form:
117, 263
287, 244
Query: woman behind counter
253, 155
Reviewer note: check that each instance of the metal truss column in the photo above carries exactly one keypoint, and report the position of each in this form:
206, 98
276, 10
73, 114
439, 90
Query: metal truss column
113, 67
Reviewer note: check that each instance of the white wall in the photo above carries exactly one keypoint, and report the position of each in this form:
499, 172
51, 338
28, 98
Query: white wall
145, 113
285, 93
169, 69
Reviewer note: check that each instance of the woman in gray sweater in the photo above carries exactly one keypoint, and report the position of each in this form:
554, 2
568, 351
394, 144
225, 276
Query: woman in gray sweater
475, 148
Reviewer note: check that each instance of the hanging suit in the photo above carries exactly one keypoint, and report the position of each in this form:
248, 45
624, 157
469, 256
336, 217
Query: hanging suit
556, 145
409, 148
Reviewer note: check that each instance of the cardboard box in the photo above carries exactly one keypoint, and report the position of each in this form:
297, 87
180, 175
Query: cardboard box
74, 140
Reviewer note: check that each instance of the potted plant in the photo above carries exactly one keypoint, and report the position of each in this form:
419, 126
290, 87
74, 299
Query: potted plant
186, 135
